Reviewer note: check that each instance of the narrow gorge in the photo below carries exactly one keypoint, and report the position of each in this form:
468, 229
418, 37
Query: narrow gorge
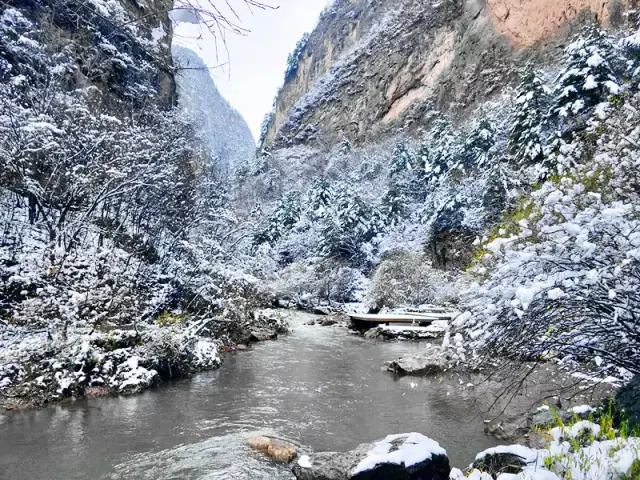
427, 266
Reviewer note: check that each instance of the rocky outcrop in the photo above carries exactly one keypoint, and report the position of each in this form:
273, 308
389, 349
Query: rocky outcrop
380, 66
432, 360
526, 22
409, 456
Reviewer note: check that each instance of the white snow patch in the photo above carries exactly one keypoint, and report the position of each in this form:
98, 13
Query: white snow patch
414, 449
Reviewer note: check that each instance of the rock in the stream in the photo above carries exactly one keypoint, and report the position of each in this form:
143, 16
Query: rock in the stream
432, 360
262, 334
408, 332
275, 449
408, 456
327, 322
516, 429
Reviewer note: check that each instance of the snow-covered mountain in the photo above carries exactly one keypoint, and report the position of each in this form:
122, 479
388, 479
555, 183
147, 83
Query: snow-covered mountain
222, 130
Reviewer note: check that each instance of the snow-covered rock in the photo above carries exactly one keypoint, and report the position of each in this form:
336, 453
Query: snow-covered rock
410, 332
432, 360
403, 456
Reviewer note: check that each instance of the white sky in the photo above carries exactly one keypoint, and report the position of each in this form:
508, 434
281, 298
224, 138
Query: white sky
257, 60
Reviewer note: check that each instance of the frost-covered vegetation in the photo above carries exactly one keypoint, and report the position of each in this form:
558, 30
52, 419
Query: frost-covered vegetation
530, 206
585, 447
114, 213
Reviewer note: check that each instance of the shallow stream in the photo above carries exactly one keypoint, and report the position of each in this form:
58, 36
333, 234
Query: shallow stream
321, 387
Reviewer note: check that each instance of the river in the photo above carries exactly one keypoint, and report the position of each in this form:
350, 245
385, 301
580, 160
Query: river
321, 387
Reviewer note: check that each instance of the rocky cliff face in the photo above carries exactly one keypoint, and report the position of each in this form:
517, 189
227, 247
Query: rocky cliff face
120, 47
221, 129
373, 67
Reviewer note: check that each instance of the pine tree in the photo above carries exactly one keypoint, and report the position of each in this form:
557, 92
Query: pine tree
281, 221
444, 147
589, 76
401, 160
320, 197
294, 58
477, 146
525, 135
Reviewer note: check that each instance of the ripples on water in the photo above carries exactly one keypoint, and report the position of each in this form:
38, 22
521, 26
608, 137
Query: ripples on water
320, 387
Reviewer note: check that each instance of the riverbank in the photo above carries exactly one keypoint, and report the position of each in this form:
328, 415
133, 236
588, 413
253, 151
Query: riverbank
40, 367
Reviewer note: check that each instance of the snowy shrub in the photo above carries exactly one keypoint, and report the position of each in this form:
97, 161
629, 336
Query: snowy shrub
407, 279
319, 281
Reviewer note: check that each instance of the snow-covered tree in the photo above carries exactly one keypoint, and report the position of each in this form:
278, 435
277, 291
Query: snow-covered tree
590, 74
320, 197
530, 107
282, 220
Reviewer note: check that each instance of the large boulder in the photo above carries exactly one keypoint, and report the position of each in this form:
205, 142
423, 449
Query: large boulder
407, 456
432, 360
546, 418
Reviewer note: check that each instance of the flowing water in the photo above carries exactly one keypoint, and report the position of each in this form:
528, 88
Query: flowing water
321, 387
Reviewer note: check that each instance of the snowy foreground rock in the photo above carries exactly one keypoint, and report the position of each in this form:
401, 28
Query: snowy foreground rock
408, 456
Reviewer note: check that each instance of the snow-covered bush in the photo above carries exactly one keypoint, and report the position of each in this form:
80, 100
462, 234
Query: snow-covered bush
405, 279
319, 281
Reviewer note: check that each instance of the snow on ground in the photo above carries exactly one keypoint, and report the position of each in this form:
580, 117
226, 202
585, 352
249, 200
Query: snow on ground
595, 457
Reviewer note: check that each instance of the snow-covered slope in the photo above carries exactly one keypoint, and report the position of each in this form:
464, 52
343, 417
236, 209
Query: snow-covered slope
223, 131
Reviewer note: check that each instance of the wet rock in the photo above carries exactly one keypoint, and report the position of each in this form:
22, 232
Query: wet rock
547, 418
511, 429
322, 310
275, 449
262, 334
311, 322
241, 347
327, 322
432, 360
409, 456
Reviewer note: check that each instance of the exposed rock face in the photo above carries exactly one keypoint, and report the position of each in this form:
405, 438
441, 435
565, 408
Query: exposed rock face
221, 129
374, 67
526, 22
397, 457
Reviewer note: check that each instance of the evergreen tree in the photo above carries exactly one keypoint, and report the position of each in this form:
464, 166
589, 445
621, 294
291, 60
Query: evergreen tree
589, 76
444, 148
394, 204
320, 197
350, 226
525, 135
477, 146
294, 58
401, 160
281, 221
